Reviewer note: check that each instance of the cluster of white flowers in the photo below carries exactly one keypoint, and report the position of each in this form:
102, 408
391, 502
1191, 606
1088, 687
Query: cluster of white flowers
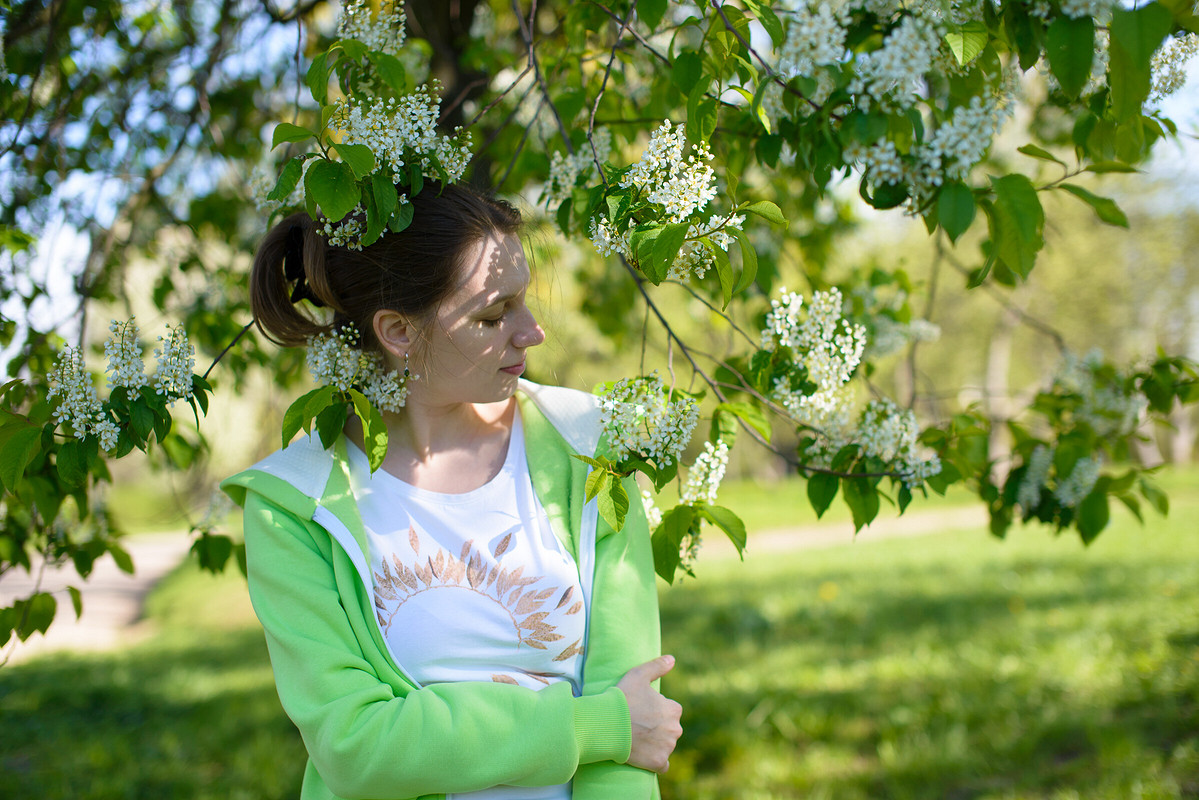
653, 514
400, 133
565, 170
1081, 481
642, 420
124, 352
815, 36
1109, 405
826, 345
1101, 10
385, 32
1036, 476
703, 481
79, 405
683, 184
1170, 63
681, 187
176, 362
891, 336
891, 75
949, 154
889, 432
335, 359
830, 349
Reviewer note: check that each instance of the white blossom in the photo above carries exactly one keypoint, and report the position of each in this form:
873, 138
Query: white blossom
1101, 10
1110, 406
1081, 481
385, 32
1170, 63
706, 473
70, 382
681, 186
108, 433
176, 363
1036, 476
387, 390
653, 514
892, 75
566, 169
642, 420
334, 359
890, 433
124, 352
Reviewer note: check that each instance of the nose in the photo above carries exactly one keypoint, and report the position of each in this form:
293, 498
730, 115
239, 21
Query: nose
530, 333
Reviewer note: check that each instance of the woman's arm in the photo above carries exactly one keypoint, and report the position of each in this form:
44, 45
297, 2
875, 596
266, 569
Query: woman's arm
364, 739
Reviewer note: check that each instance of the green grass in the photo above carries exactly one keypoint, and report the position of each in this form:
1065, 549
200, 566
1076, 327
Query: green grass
944, 666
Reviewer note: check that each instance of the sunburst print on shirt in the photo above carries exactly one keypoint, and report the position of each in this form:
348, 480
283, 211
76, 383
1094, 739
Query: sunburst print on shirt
532, 608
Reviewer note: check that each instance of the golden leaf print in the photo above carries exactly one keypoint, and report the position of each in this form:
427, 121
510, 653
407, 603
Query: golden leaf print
508, 588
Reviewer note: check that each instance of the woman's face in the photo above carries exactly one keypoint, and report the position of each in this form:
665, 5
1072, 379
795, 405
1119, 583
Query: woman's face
474, 349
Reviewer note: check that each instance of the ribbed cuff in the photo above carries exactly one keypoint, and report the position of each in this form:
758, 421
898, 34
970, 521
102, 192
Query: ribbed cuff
602, 727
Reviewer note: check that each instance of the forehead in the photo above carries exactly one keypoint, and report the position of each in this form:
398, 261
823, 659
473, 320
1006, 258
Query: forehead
495, 267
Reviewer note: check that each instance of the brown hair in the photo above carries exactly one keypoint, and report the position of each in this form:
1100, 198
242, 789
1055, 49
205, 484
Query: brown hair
410, 271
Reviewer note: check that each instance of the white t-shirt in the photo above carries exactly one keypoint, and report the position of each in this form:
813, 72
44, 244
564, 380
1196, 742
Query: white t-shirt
474, 586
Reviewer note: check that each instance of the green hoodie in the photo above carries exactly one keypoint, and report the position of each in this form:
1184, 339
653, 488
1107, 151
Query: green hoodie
370, 730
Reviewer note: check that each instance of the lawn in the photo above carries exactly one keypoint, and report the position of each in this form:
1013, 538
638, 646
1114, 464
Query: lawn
943, 666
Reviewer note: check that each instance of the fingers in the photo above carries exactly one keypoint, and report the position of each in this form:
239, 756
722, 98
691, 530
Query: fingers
652, 670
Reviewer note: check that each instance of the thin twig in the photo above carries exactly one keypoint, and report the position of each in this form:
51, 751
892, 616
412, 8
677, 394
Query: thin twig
1028, 319
526, 32
228, 347
624, 23
524, 137
640, 39
501, 96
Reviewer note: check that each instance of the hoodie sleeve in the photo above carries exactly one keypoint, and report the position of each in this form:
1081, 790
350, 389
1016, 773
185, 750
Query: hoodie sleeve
365, 736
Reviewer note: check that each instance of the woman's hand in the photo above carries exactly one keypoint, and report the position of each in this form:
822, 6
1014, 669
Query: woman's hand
655, 718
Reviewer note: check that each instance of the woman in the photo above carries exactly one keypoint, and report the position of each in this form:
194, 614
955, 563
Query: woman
459, 622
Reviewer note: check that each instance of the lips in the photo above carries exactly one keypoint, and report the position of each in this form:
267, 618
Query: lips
515, 369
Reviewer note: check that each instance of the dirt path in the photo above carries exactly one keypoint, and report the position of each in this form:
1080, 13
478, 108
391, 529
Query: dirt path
113, 601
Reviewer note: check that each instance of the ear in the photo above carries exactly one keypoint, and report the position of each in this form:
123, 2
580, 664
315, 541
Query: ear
394, 331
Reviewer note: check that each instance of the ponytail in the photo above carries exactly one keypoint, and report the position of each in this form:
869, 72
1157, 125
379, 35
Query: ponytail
410, 272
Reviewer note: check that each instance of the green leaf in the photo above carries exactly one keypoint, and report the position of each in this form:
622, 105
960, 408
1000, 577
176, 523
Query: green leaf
416, 179
753, 416
686, 70
769, 20
121, 557
614, 504
34, 614
317, 78
668, 538
767, 210
1020, 220
728, 522
1105, 208
330, 421
822, 489
288, 179
597, 481
1101, 167
724, 271
666, 250
402, 217
651, 12
1071, 49
72, 463
358, 156
955, 209
1156, 497
76, 601
297, 415
212, 551
374, 428
332, 186
287, 132
749, 260
1036, 152
19, 447
862, 499
967, 41
1135, 35
391, 70
1093, 515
